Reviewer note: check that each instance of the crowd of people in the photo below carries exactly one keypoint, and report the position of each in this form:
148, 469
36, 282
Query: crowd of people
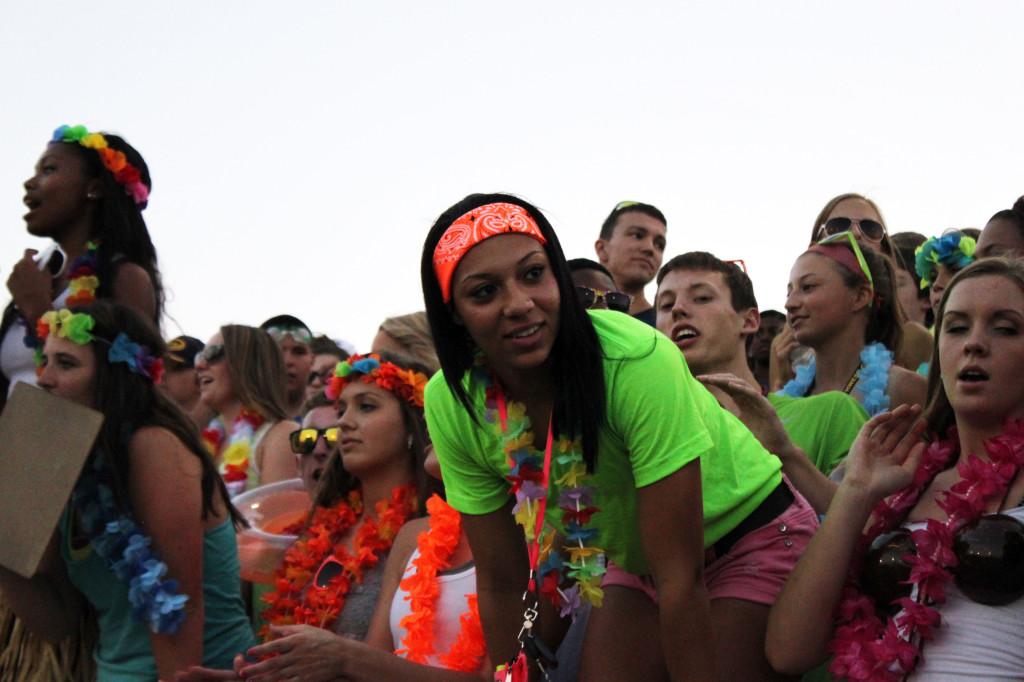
544, 474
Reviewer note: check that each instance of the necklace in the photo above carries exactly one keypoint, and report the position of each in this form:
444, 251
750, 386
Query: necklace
296, 600
436, 547
581, 561
865, 647
234, 457
870, 380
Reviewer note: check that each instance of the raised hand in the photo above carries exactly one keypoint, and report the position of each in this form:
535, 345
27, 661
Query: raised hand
883, 458
753, 409
30, 287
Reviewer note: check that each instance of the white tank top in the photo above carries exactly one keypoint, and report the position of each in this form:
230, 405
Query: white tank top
974, 641
17, 361
451, 604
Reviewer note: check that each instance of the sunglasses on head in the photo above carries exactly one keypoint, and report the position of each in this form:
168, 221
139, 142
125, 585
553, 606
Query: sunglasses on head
871, 229
298, 334
841, 237
625, 204
615, 300
304, 441
211, 354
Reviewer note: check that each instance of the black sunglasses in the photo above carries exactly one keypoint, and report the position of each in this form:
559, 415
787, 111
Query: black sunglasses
615, 300
304, 441
871, 229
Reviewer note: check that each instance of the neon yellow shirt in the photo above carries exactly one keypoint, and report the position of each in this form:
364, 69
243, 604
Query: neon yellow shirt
659, 418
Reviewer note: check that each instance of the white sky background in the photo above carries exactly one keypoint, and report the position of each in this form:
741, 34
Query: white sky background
301, 150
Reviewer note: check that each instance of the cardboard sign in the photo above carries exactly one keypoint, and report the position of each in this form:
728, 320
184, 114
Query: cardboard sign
44, 441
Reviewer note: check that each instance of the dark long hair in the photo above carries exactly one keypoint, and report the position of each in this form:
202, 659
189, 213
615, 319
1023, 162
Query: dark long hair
578, 373
119, 224
939, 412
130, 401
336, 481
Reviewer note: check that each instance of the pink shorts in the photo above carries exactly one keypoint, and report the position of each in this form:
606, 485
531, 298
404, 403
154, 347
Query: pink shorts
755, 568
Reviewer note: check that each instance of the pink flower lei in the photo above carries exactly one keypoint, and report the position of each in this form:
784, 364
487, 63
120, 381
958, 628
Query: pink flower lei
864, 646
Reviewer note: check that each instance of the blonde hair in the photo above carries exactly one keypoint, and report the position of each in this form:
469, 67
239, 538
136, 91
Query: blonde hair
412, 333
256, 368
835, 201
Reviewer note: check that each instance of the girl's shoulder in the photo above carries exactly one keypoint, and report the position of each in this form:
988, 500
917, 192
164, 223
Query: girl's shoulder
623, 337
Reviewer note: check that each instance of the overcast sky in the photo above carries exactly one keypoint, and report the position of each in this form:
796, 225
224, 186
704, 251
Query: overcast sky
301, 150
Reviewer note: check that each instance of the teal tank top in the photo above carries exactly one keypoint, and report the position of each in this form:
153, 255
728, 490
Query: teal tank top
123, 651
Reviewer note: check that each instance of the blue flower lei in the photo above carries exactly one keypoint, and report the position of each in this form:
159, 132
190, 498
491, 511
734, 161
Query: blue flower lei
126, 551
954, 250
872, 382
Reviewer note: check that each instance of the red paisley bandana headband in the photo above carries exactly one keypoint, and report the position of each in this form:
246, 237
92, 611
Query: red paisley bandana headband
473, 227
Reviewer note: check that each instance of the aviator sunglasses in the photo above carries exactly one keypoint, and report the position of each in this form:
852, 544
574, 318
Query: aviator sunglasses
871, 229
304, 441
615, 300
211, 354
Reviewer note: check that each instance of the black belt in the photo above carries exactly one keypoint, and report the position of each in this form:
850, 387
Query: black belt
777, 502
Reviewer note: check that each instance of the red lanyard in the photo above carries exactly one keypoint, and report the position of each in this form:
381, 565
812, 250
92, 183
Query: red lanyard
534, 547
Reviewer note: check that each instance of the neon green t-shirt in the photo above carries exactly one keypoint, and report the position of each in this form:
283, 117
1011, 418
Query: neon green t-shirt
659, 418
823, 426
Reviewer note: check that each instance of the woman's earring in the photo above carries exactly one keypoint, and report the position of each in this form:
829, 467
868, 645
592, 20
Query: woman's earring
408, 442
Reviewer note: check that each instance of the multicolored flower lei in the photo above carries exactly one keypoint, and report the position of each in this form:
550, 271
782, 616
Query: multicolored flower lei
126, 551
436, 547
295, 600
953, 249
77, 328
585, 564
872, 384
406, 384
82, 285
113, 160
234, 458
865, 647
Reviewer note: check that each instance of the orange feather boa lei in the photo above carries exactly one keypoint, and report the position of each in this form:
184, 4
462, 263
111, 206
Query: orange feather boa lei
436, 547
295, 600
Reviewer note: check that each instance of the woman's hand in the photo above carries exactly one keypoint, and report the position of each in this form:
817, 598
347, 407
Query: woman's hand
198, 673
754, 410
301, 652
30, 287
781, 367
886, 453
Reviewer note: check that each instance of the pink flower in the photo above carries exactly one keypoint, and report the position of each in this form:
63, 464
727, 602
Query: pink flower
918, 616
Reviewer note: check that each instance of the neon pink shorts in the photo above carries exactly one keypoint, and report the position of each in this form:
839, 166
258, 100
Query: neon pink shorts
755, 568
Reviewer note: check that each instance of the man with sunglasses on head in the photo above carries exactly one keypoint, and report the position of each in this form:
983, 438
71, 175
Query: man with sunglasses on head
595, 287
631, 247
293, 337
707, 307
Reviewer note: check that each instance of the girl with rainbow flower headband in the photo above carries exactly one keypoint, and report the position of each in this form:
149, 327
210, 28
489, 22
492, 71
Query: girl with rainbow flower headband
939, 258
87, 194
166, 597
841, 303
328, 586
585, 431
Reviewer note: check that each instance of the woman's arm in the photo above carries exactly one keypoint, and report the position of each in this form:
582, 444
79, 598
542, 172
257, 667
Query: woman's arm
676, 559
133, 287
378, 635
47, 603
881, 461
275, 458
165, 489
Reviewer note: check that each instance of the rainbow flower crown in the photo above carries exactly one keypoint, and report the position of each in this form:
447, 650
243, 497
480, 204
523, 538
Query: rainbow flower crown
77, 328
113, 160
406, 384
